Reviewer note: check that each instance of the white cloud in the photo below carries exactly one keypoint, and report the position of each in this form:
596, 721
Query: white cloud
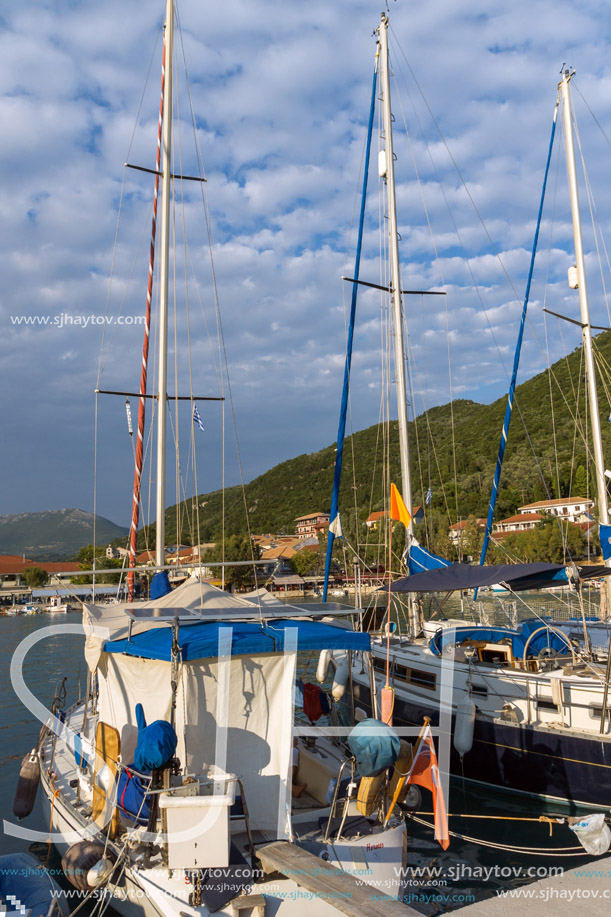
281, 94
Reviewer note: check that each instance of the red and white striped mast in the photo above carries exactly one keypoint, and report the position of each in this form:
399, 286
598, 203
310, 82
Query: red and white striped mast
164, 132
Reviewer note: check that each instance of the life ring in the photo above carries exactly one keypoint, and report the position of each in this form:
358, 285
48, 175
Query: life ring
412, 800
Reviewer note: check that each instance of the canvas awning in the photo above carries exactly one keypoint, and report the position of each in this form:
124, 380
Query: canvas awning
517, 577
201, 641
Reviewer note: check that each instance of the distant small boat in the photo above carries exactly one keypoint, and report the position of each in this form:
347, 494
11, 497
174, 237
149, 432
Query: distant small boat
56, 605
31, 609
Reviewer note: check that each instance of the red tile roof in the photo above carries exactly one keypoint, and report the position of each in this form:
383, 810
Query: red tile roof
522, 517
13, 564
373, 517
557, 501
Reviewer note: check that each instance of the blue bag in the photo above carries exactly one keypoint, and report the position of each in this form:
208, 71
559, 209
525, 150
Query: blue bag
156, 743
131, 794
374, 745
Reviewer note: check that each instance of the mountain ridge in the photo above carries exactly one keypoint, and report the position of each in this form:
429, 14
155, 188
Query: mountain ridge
54, 535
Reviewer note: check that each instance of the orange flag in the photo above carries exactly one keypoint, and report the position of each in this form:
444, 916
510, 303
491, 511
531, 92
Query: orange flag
398, 509
425, 772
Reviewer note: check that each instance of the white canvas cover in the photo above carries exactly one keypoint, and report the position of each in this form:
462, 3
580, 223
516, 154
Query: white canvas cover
194, 593
235, 713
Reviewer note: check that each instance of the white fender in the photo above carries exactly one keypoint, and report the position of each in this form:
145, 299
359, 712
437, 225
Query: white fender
342, 670
463, 728
323, 665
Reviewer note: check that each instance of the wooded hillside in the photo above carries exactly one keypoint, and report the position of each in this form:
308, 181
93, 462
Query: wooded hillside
454, 449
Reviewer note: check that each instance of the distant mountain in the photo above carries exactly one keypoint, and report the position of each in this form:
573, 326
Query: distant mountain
54, 535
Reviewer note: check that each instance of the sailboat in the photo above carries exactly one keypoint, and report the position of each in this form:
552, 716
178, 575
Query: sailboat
168, 787
518, 709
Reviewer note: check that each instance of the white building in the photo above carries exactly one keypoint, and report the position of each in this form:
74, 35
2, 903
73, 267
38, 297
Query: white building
569, 509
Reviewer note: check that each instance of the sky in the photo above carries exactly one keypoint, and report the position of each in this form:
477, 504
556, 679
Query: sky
280, 94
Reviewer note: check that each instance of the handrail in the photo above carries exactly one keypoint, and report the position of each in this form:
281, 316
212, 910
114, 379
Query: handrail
334, 799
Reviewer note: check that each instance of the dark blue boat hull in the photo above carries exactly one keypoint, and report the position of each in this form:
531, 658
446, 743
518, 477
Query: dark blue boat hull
551, 763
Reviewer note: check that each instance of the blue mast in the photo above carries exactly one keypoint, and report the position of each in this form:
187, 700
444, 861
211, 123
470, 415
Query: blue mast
516, 359
334, 515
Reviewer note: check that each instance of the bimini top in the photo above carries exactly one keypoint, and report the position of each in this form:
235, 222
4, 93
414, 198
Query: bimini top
517, 577
202, 641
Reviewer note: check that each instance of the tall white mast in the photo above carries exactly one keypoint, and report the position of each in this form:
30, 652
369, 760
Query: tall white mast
603, 507
164, 285
387, 171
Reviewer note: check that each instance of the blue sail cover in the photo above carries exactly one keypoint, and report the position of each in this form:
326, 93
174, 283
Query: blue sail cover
516, 358
517, 577
419, 559
334, 520
201, 641
604, 533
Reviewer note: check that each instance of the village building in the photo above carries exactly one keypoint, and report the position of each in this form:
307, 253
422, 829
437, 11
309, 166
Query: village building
311, 524
457, 530
113, 553
569, 509
13, 566
521, 522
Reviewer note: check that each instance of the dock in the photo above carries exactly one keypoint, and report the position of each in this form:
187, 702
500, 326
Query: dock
583, 890
331, 884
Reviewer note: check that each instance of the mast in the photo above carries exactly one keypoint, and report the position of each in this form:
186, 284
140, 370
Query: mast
603, 508
139, 457
163, 281
387, 171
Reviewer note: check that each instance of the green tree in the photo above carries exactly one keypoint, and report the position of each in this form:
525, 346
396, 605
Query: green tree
34, 577
84, 559
236, 547
546, 542
580, 482
471, 541
304, 562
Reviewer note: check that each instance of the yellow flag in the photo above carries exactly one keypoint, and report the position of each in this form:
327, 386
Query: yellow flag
398, 509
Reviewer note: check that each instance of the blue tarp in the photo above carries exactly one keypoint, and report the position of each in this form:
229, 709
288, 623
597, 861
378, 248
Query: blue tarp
32, 889
201, 641
546, 639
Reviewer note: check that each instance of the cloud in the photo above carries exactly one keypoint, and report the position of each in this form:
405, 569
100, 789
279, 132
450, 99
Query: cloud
281, 95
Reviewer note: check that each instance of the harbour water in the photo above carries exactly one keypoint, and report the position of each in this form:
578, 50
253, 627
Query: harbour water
436, 881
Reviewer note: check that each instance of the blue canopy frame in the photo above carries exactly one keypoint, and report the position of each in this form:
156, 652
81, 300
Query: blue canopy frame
201, 641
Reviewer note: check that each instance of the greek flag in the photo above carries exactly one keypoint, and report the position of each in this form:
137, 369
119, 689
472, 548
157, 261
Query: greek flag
196, 418
429, 496
336, 527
